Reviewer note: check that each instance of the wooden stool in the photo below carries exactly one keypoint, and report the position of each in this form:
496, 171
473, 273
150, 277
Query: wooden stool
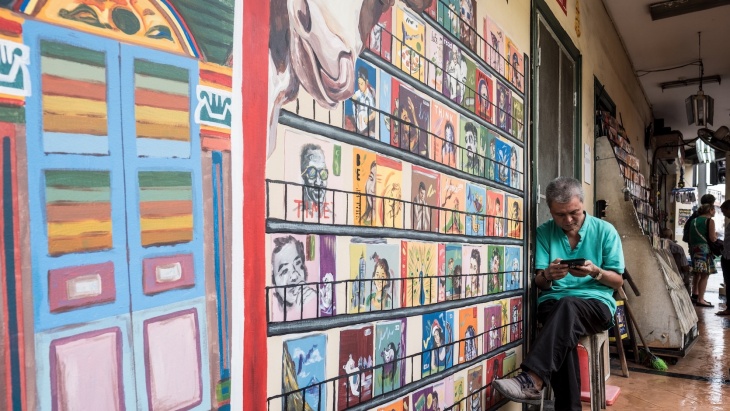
593, 347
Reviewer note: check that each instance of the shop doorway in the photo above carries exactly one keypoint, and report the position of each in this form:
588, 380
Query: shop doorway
557, 98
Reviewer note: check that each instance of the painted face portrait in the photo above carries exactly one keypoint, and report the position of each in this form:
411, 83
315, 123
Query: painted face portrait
325, 293
288, 269
470, 139
314, 174
495, 264
375, 38
484, 95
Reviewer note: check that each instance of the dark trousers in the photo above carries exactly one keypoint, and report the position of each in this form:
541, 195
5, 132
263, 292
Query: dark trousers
554, 354
725, 265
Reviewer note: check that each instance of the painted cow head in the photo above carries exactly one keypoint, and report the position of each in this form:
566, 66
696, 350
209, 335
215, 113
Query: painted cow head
314, 43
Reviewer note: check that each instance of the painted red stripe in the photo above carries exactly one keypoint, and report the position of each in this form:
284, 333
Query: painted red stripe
12, 102
217, 78
214, 134
159, 99
10, 27
59, 86
215, 144
255, 117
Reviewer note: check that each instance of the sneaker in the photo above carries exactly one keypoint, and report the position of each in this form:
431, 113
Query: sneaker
520, 389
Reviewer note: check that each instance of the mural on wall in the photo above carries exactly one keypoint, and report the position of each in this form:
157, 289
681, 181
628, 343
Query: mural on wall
121, 121
384, 136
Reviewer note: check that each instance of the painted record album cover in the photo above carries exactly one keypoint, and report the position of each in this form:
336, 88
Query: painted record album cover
474, 260
495, 213
496, 268
360, 109
474, 384
295, 266
327, 276
424, 197
373, 270
415, 116
503, 172
435, 55
493, 326
515, 327
419, 269
514, 216
494, 45
412, 47
513, 268
515, 68
468, 334
470, 162
456, 71
364, 177
381, 37
437, 343
452, 198
494, 372
445, 130
504, 107
453, 281
476, 206
304, 368
390, 353
389, 191
356, 354
485, 96
468, 24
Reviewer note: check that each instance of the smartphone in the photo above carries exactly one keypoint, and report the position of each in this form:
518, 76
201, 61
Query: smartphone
574, 263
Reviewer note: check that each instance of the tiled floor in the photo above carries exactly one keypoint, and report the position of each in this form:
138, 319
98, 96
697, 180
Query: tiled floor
700, 381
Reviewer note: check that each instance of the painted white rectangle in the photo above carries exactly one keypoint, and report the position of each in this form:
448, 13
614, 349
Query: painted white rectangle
83, 286
87, 374
173, 362
168, 273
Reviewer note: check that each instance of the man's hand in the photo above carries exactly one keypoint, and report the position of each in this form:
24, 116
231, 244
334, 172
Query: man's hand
556, 270
588, 268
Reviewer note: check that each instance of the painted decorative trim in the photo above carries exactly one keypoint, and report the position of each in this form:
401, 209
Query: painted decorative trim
14, 74
161, 274
214, 107
81, 286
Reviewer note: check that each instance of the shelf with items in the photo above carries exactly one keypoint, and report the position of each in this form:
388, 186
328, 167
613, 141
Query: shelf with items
499, 55
437, 59
416, 180
635, 184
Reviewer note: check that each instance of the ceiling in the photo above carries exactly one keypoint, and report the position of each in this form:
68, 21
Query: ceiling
672, 42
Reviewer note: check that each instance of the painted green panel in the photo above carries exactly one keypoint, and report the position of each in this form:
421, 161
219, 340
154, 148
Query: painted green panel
12, 114
73, 53
77, 178
166, 194
157, 70
73, 70
75, 195
164, 179
158, 84
198, 17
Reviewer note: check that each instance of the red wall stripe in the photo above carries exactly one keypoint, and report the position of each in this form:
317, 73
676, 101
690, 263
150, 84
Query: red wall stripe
254, 60
217, 78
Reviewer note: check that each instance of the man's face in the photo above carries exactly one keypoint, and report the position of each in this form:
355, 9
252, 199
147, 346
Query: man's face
380, 276
315, 174
289, 269
484, 94
362, 85
422, 194
471, 141
568, 216
449, 134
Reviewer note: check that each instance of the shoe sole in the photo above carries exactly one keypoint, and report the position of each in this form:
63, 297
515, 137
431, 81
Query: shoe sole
515, 399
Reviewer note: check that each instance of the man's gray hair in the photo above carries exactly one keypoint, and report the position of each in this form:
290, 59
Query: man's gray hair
563, 189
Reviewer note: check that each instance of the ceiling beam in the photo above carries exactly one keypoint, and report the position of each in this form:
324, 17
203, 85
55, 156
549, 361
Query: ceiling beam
674, 8
691, 81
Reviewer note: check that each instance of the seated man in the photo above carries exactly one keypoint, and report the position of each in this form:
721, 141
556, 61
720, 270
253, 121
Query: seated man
679, 257
575, 300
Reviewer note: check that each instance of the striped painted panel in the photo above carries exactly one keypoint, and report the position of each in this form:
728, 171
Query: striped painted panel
74, 89
161, 110
166, 207
78, 211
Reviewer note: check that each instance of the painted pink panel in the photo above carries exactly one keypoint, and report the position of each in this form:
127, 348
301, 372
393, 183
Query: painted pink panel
168, 273
86, 371
81, 286
172, 361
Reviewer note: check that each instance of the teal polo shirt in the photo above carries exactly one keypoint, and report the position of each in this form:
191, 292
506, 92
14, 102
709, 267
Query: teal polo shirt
599, 242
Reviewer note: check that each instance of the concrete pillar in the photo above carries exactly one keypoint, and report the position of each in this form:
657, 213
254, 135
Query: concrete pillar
701, 180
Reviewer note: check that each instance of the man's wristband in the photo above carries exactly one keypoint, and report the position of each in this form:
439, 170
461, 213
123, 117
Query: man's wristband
598, 276
549, 283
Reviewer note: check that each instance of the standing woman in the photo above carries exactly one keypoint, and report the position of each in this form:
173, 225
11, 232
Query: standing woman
701, 232
725, 258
